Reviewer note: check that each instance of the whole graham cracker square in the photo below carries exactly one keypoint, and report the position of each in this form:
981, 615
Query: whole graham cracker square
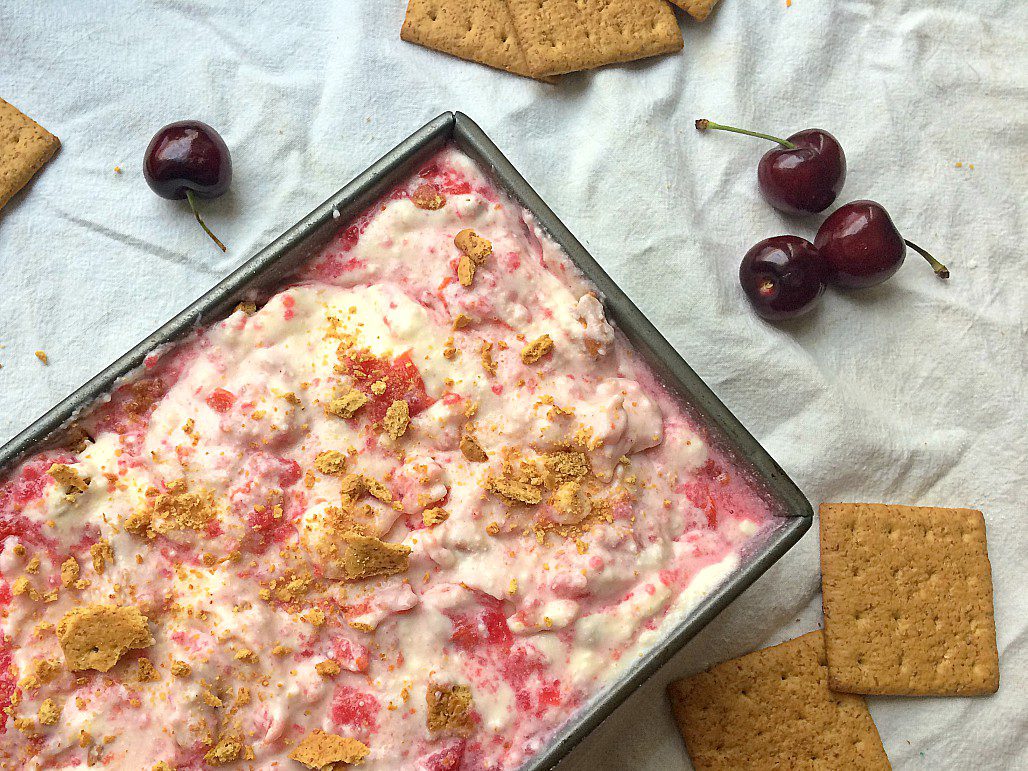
773, 709
568, 35
24, 147
698, 9
907, 595
477, 30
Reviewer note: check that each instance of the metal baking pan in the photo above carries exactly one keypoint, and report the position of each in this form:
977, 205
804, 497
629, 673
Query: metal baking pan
259, 276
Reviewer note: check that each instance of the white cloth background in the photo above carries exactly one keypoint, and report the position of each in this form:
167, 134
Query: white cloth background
911, 392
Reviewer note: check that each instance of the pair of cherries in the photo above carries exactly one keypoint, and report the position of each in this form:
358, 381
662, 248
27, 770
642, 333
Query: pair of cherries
857, 246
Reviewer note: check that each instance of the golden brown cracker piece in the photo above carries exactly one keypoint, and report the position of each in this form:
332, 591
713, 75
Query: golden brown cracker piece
366, 557
569, 35
473, 245
397, 418
477, 30
321, 750
449, 709
97, 636
536, 349
773, 709
698, 9
24, 147
907, 595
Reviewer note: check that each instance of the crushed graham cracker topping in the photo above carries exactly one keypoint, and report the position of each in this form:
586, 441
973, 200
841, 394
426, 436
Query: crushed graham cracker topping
449, 709
536, 349
178, 509
471, 449
97, 636
69, 478
466, 268
367, 557
515, 491
434, 516
330, 462
473, 245
321, 750
347, 405
397, 418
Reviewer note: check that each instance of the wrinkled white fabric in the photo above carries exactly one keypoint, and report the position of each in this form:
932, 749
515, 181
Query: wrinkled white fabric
911, 392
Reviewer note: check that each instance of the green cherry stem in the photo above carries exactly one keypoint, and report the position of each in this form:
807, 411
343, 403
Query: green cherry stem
191, 197
703, 125
940, 270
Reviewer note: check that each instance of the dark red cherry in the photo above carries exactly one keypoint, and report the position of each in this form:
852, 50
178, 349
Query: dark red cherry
782, 277
188, 159
861, 246
802, 176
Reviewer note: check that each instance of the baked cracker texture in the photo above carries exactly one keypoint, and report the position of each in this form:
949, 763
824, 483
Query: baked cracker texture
24, 147
698, 9
772, 709
477, 30
907, 595
561, 36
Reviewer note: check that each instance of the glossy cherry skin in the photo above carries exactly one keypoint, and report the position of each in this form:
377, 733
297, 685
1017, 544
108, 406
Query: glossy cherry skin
782, 276
807, 179
860, 245
187, 155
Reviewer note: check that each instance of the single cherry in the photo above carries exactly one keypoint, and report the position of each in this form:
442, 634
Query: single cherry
861, 246
782, 277
804, 175
188, 159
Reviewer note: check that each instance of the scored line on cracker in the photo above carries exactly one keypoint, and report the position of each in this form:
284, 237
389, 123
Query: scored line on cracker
477, 30
560, 36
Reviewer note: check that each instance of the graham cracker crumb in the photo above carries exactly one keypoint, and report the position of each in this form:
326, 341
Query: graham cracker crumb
346, 406
434, 516
449, 709
181, 669
68, 478
536, 349
178, 509
321, 750
473, 245
227, 750
465, 270
97, 636
366, 557
49, 712
328, 668
471, 449
330, 462
461, 320
515, 491
146, 672
69, 571
397, 418
488, 364
41, 355
102, 554
314, 616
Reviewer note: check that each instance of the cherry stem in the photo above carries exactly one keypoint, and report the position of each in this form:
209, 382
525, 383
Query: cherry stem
940, 270
703, 124
191, 197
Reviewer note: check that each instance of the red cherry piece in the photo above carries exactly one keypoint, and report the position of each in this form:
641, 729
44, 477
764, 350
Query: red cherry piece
804, 175
190, 160
783, 277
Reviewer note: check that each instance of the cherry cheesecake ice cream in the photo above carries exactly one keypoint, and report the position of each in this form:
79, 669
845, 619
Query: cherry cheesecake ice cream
410, 513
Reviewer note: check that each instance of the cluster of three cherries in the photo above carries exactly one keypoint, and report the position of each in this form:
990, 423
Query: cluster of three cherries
857, 246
